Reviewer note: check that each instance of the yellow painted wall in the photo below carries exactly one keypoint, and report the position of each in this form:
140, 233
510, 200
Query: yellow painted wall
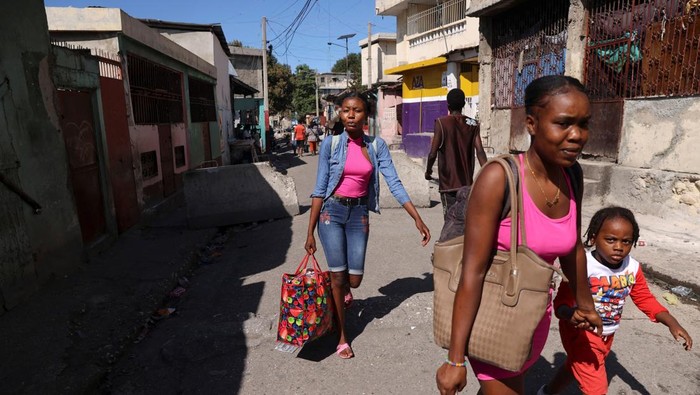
469, 81
432, 82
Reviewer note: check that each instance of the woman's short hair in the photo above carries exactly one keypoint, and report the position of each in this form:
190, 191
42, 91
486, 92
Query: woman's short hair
539, 90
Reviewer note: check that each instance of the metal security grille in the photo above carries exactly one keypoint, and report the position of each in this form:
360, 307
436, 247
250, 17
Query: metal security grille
441, 15
640, 48
202, 105
110, 64
156, 92
149, 165
529, 41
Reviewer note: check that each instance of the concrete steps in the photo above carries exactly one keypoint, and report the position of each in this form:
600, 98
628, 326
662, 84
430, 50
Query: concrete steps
596, 181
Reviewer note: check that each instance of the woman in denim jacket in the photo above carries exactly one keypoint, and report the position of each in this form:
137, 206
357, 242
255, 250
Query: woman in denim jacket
347, 188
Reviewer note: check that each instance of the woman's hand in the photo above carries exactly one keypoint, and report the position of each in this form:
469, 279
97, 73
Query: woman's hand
424, 231
310, 245
451, 379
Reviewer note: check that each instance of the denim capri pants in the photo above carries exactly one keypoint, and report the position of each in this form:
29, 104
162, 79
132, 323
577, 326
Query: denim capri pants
344, 231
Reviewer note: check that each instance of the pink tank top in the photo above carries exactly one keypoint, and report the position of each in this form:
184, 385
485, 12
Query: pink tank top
355, 179
548, 237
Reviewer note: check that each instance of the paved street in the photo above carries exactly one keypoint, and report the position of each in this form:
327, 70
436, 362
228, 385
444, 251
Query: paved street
222, 338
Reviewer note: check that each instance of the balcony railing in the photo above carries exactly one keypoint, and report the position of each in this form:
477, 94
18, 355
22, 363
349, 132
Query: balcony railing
443, 14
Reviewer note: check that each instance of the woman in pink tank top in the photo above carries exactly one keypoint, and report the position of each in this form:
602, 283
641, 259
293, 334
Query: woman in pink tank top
558, 111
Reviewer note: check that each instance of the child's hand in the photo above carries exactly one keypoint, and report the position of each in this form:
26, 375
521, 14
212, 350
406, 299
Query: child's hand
675, 328
587, 320
678, 332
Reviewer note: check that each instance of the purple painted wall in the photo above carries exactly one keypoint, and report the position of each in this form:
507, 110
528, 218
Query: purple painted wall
417, 128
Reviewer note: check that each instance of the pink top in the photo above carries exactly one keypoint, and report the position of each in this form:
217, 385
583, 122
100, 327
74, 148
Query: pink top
548, 237
355, 179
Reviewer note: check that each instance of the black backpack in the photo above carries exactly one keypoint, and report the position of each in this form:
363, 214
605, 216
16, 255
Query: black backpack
454, 219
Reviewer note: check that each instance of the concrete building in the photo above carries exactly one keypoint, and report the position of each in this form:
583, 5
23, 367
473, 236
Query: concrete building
249, 67
329, 86
170, 95
436, 50
248, 106
640, 65
209, 43
377, 56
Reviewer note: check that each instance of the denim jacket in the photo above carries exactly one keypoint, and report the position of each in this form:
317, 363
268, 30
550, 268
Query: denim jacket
332, 164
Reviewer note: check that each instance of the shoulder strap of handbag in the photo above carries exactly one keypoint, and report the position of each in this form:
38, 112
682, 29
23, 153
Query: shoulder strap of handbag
520, 218
574, 172
336, 139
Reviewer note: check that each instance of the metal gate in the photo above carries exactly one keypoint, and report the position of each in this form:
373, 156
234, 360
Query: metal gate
529, 41
121, 164
167, 163
77, 124
637, 48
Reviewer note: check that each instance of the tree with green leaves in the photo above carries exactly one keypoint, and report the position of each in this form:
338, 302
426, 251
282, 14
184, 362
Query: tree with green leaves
354, 64
304, 96
281, 86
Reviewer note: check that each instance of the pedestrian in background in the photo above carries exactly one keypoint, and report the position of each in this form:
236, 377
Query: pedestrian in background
558, 111
312, 137
300, 137
456, 140
347, 188
613, 275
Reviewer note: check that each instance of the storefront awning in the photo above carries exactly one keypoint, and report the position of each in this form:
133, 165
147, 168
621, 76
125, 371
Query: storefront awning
416, 65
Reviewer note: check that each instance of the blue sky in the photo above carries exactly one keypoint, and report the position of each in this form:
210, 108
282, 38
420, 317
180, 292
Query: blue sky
240, 19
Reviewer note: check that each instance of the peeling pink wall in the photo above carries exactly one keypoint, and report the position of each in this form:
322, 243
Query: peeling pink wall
387, 111
179, 135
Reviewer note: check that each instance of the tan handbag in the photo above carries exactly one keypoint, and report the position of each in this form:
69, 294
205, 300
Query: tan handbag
514, 298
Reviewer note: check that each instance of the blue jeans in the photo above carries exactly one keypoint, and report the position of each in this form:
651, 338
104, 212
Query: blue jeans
344, 231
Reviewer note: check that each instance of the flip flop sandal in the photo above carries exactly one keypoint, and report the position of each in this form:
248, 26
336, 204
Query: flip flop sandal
342, 347
348, 299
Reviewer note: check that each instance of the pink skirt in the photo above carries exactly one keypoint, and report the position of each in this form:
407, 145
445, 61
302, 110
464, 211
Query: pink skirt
486, 372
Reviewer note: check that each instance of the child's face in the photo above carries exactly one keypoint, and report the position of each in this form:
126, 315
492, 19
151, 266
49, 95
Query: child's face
614, 241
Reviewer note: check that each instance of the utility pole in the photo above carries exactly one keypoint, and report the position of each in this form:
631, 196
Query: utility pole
316, 83
347, 61
369, 57
266, 104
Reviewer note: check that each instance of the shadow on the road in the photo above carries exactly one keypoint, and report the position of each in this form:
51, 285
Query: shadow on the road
542, 371
284, 159
364, 311
393, 294
207, 342
615, 368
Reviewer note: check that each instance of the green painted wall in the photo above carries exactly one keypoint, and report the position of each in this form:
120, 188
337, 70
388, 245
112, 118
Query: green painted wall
196, 146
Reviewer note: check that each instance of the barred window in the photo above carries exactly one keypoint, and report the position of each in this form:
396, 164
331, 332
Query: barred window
529, 41
202, 104
156, 92
642, 48
149, 165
